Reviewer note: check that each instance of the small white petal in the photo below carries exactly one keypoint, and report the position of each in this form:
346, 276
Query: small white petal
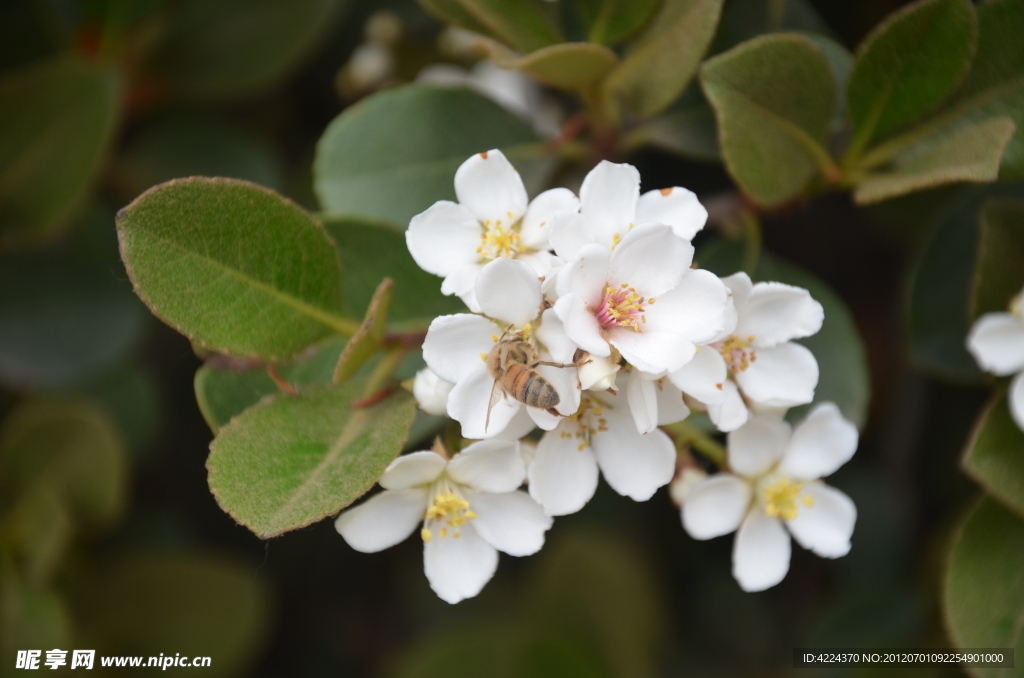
431, 392
586, 275
542, 262
731, 413
459, 568
489, 466
443, 238
598, 373
757, 445
782, 376
821, 443
535, 231
551, 334
509, 291
695, 309
562, 477
521, 425
760, 554
491, 189
652, 259
677, 207
1016, 397
511, 522
671, 407
775, 313
581, 326
462, 283
717, 506
569, 233
741, 286
564, 380
383, 520
634, 465
410, 470
997, 342
454, 343
703, 377
684, 483
826, 526
643, 401
608, 199
653, 352
468, 402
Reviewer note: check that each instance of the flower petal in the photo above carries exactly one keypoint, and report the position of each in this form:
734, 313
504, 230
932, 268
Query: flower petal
608, 199
653, 352
1016, 396
454, 343
569, 233
716, 506
741, 287
536, 228
821, 443
760, 554
677, 207
562, 477
731, 413
671, 407
383, 520
431, 392
468, 403
781, 376
634, 465
489, 466
652, 259
598, 373
703, 377
459, 568
508, 290
462, 283
997, 342
826, 526
581, 326
443, 238
586, 275
565, 382
642, 396
551, 334
511, 522
694, 309
491, 188
543, 262
775, 313
410, 470
757, 445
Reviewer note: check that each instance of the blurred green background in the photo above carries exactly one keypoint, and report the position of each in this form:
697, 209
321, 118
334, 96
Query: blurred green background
109, 536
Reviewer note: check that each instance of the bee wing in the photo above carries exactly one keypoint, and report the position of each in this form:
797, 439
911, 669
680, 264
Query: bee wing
496, 395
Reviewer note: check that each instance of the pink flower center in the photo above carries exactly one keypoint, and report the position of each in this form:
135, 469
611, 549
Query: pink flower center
737, 352
622, 307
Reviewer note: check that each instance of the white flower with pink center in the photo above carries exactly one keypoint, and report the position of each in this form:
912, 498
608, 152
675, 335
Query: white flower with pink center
493, 219
642, 299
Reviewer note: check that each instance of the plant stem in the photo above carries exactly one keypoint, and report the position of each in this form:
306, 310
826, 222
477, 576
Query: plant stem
686, 434
751, 241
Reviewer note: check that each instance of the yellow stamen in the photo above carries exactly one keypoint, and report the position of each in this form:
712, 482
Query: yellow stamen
781, 499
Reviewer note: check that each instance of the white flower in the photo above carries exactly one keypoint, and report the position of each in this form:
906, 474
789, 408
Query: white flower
491, 220
642, 298
470, 508
611, 205
600, 435
997, 342
431, 392
773, 487
654, 401
755, 354
457, 346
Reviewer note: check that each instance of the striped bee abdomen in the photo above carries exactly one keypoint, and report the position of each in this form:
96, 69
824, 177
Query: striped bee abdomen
527, 386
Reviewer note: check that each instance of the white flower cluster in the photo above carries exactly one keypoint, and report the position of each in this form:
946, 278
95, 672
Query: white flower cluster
589, 323
997, 342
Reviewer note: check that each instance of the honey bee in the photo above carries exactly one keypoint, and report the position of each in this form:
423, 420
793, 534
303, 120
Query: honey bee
512, 363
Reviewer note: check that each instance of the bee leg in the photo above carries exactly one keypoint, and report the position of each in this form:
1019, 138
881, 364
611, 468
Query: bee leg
550, 364
554, 412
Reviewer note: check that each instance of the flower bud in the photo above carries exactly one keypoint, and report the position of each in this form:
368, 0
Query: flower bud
431, 392
598, 374
686, 479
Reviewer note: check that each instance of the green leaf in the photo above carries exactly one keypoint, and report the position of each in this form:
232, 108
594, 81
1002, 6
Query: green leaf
910, 63
611, 21
452, 11
844, 378
217, 49
72, 449
746, 19
984, 586
569, 65
998, 273
659, 63
994, 455
201, 606
195, 145
687, 130
969, 152
39, 531
63, 321
290, 462
395, 154
370, 250
31, 617
519, 23
369, 339
233, 266
56, 122
774, 98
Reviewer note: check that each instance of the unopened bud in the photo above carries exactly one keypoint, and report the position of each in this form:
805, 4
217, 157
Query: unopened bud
431, 392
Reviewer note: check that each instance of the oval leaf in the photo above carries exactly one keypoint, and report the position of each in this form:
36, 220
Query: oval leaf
659, 63
570, 65
610, 21
233, 266
998, 272
774, 98
994, 456
395, 154
910, 63
289, 462
56, 121
520, 23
